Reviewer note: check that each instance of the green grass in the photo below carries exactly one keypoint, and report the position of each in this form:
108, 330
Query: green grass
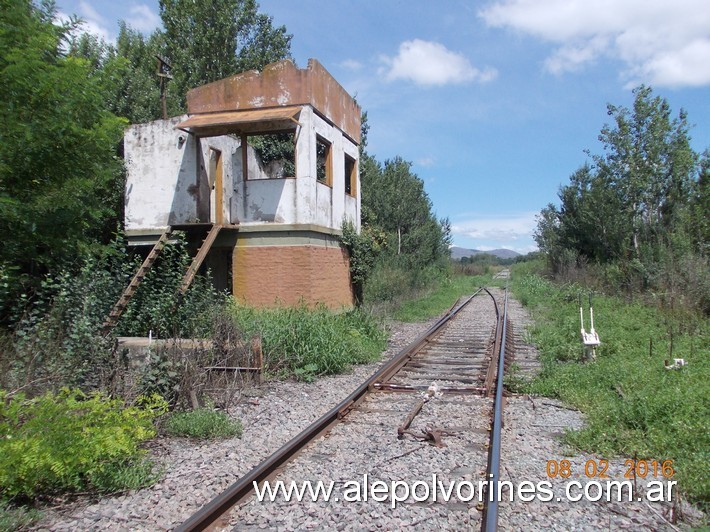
634, 406
202, 423
17, 517
306, 343
440, 299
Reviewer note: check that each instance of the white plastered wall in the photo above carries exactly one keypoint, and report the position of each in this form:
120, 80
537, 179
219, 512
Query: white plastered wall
161, 186
170, 179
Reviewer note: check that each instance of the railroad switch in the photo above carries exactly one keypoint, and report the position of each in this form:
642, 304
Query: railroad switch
590, 339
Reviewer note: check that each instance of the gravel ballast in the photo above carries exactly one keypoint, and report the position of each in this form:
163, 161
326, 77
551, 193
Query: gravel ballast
195, 472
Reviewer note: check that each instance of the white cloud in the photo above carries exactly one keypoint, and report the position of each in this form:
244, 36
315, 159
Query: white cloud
431, 63
502, 229
92, 22
426, 162
351, 64
661, 42
142, 18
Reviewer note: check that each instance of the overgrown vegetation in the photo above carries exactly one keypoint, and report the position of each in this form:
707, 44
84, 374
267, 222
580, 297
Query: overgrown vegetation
70, 442
277, 154
634, 405
60, 177
633, 224
56, 341
402, 248
67, 97
202, 423
307, 342
637, 218
14, 517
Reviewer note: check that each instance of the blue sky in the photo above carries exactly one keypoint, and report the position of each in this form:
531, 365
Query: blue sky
493, 102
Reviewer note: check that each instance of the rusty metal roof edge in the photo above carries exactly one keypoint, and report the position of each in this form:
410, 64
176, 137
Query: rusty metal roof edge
287, 113
313, 79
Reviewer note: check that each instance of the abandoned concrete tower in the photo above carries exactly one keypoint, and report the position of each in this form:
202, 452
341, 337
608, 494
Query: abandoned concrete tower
260, 174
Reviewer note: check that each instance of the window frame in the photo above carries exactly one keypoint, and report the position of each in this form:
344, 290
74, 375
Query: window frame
327, 161
351, 176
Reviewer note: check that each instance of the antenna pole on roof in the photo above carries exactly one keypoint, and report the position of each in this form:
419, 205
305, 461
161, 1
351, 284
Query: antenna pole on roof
164, 75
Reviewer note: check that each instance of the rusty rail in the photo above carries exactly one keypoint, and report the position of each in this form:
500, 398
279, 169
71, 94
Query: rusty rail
490, 511
242, 488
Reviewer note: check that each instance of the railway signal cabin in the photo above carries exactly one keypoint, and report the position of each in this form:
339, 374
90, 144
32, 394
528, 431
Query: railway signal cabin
260, 174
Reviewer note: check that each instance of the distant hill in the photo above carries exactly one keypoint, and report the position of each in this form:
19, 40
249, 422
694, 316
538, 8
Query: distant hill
459, 253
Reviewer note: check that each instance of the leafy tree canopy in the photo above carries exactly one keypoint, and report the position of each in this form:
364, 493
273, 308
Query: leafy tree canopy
208, 41
57, 144
641, 206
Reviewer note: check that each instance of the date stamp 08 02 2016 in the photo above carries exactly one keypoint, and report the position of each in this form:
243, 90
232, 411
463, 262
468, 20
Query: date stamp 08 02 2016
600, 468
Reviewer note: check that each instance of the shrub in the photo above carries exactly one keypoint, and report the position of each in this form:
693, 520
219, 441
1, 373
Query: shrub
179, 370
158, 306
71, 441
56, 341
202, 423
364, 248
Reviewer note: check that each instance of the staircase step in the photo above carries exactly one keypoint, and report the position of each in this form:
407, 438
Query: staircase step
130, 290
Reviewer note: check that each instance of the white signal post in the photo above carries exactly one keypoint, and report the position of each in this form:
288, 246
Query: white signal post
590, 339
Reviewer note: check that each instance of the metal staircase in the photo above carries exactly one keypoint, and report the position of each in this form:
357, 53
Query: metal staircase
187, 279
130, 290
199, 258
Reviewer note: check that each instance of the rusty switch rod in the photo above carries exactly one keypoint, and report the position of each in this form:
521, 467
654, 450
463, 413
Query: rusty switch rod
417, 408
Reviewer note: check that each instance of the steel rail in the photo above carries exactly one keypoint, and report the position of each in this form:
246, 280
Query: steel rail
497, 339
242, 488
490, 517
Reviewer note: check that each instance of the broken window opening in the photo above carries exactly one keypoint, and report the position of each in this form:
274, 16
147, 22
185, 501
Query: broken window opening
216, 181
350, 175
324, 166
276, 153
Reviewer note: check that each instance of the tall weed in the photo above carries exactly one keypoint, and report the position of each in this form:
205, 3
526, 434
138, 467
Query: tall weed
634, 406
309, 342
56, 340
436, 301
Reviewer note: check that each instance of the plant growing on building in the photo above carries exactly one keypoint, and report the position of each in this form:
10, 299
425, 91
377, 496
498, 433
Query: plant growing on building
363, 249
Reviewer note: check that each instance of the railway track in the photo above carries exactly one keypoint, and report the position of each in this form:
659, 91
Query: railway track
438, 402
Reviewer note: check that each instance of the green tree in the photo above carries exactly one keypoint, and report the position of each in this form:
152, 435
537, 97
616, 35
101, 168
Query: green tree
401, 239
58, 160
133, 88
648, 163
127, 71
394, 199
640, 211
208, 41
699, 215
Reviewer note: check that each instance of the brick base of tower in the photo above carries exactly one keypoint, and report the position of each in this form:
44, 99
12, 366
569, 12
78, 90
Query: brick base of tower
274, 270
